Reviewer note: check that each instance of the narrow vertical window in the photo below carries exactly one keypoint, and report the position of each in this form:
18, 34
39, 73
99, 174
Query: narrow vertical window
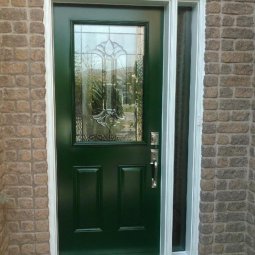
181, 127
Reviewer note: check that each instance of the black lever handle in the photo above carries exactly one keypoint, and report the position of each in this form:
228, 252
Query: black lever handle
154, 174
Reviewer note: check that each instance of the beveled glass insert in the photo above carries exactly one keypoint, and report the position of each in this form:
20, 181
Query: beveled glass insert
108, 62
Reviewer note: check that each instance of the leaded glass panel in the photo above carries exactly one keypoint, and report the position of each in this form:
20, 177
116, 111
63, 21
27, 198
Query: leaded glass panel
108, 63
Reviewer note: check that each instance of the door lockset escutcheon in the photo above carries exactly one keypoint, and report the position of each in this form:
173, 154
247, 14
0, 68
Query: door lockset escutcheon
154, 174
154, 168
154, 138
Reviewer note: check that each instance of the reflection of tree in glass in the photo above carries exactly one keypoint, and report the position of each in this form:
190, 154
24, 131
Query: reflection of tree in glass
138, 88
78, 84
116, 98
78, 98
97, 94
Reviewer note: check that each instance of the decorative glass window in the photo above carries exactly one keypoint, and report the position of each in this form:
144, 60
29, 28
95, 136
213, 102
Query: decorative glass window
108, 63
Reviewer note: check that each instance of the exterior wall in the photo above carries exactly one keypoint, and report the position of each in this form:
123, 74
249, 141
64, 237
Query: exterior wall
250, 238
227, 213
22, 88
226, 132
3, 234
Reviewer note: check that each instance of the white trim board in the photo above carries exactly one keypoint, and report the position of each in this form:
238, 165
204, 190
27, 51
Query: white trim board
169, 77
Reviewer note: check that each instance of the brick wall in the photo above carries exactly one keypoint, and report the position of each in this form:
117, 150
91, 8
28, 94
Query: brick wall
3, 234
227, 221
226, 133
250, 238
22, 85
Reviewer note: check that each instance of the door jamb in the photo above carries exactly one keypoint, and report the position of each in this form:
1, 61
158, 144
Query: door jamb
168, 115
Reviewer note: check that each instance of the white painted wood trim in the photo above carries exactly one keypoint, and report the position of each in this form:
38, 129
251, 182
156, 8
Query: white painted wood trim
116, 2
169, 78
168, 127
50, 127
181, 253
195, 121
198, 117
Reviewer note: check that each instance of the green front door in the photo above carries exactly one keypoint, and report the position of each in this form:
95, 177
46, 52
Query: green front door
108, 78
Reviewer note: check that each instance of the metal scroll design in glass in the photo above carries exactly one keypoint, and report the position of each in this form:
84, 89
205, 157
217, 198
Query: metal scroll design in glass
108, 82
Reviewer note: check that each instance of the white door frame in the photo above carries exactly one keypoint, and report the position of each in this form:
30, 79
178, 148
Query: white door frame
168, 117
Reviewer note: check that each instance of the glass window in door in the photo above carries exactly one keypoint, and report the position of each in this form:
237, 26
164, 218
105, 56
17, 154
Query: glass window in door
108, 75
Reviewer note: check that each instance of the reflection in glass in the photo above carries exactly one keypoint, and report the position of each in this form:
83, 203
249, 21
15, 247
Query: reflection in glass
108, 82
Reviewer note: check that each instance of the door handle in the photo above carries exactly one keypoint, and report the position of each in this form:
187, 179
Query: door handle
154, 174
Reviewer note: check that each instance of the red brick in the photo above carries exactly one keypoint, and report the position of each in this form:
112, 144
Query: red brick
8, 106
41, 214
19, 3
18, 143
41, 191
38, 106
38, 81
25, 179
236, 57
27, 226
23, 106
16, 93
17, 119
5, 27
42, 248
235, 81
228, 20
25, 203
38, 94
24, 155
35, 3
23, 131
20, 27
37, 41
39, 155
37, 55
4, 2
212, 44
230, 128
213, 7
19, 167
39, 143
14, 40
37, 68
237, 8
213, 20
237, 33
6, 81
36, 28
28, 249
246, 45
244, 92
14, 68
13, 14
40, 179
22, 80
243, 69
21, 54
42, 237
36, 15
19, 214
13, 250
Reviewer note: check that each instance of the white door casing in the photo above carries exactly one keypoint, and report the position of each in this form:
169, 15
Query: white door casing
168, 116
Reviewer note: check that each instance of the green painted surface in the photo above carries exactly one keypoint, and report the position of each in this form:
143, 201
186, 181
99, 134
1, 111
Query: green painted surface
105, 201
